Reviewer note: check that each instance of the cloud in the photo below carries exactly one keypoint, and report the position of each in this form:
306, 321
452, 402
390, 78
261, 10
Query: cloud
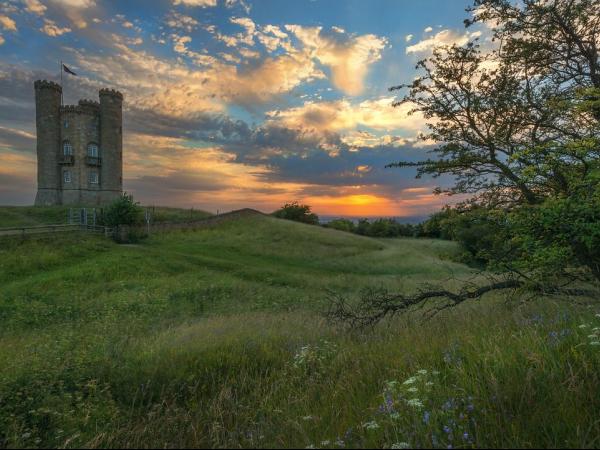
428, 30
35, 7
7, 23
79, 4
442, 38
408, 38
347, 56
52, 29
340, 115
181, 21
193, 3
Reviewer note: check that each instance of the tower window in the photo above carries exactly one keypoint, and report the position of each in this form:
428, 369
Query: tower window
93, 177
67, 148
66, 123
67, 176
92, 150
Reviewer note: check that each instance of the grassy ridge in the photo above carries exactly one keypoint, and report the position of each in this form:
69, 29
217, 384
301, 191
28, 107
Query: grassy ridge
23, 216
213, 338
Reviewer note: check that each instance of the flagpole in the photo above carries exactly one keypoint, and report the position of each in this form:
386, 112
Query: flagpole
61, 83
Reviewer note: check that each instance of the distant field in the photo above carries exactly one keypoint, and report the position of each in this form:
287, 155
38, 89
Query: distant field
215, 338
19, 216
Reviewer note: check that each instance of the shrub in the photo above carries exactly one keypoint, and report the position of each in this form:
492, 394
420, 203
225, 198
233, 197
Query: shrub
297, 212
342, 225
123, 211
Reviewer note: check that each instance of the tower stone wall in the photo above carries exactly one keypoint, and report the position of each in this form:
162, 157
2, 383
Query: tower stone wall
47, 121
79, 148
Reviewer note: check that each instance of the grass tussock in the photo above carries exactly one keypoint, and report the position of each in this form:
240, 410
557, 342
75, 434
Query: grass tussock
214, 338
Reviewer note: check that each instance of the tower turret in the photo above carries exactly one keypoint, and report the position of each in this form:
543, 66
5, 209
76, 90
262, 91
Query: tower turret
47, 121
111, 140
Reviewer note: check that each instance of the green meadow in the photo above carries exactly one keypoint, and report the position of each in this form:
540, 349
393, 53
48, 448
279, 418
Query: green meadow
216, 338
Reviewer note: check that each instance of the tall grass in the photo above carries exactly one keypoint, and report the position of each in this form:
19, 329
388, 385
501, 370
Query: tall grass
214, 338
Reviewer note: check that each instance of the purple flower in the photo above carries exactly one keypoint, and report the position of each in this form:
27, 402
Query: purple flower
426, 416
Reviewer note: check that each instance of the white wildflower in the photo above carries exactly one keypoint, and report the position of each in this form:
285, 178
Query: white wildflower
401, 445
371, 425
415, 403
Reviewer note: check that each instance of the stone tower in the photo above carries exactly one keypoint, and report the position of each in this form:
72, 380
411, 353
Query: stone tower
79, 147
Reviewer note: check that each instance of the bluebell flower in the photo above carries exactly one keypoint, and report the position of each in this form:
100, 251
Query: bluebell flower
426, 417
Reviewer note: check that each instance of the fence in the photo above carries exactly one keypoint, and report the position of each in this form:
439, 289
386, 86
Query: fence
39, 230
85, 220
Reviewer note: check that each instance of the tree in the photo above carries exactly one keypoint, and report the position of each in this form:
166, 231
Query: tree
518, 122
297, 212
518, 127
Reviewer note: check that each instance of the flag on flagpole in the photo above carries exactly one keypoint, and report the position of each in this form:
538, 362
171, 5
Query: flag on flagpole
66, 69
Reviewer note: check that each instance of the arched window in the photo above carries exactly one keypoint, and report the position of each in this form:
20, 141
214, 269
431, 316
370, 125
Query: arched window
92, 150
67, 148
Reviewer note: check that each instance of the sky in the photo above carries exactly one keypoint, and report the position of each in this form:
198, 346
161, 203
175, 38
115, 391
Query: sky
236, 103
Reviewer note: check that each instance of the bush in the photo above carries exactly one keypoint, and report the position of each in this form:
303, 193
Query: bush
123, 211
385, 228
297, 212
342, 225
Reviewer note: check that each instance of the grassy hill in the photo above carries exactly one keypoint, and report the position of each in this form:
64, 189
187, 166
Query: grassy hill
214, 338
24, 216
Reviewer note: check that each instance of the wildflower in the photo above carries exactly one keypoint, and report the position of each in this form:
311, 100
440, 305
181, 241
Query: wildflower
426, 417
401, 445
371, 425
325, 443
466, 436
595, 343
422, 372
340, 443
415, 403
307, 418
583, 325
412, 389
447, 429
411, 380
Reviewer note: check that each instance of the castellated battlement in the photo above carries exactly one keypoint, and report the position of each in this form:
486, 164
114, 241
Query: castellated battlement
45, 84
111, 92
81, 109
79, 147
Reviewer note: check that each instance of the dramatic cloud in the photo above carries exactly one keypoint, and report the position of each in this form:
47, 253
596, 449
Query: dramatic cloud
348, 56
344, 115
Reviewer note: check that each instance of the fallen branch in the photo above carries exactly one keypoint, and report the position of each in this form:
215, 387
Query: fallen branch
377, 304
